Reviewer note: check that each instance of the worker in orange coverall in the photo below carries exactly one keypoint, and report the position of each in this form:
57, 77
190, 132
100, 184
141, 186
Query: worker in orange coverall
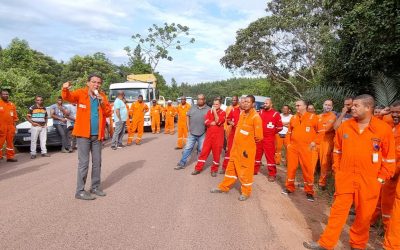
169, 115
214, 141
324, 149
301, 141
364, 158
232, 120
182, 110
241, 163
272, 124
137, 111
392, 235
8, 117
155, 116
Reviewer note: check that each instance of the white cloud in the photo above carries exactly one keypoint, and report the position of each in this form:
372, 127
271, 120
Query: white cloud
64, 28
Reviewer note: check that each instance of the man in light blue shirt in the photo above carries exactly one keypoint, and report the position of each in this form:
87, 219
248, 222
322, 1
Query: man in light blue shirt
120, 117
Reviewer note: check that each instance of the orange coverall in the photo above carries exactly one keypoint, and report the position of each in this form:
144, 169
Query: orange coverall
169, 113
392, 235
155, 113
302, 131
241, 163
8, 117
137, 110
182, 124
324, 149
360, 158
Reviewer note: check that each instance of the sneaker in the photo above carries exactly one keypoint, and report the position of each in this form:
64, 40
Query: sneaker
214, 174
310, 197
98, 192
45, 155
179, 167
113, 147
33, 156
243, 197
221, 171
313, 245
195, 172
271, 178
120, 146
286, 191
70, 150
216, 191
84, 196
64, 150
12, 160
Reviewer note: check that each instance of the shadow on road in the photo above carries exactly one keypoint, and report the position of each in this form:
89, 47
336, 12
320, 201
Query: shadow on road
121, 172
22, 171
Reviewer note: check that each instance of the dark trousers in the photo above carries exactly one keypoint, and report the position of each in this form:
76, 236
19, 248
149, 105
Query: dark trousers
87, 146
63, 132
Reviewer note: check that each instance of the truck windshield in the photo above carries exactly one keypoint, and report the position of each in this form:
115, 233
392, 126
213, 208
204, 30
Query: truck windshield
131, 95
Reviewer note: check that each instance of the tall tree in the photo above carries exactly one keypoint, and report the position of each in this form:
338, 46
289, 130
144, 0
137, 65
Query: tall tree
284, 45
159, 41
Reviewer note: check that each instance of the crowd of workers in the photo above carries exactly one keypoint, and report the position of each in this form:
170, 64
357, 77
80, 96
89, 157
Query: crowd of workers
360, 145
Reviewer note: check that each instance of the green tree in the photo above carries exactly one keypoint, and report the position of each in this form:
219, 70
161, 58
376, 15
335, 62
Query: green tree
284, 45
367, 41
159, 41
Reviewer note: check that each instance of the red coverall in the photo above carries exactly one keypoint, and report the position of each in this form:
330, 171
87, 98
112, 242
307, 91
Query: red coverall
233, 116
8, 117
214, 140
271, 124
360, 158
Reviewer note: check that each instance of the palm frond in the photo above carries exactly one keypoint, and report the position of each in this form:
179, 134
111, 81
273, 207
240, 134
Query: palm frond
318, 94
386, 89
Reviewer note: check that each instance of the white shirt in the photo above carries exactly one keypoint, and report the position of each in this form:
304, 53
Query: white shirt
285, 119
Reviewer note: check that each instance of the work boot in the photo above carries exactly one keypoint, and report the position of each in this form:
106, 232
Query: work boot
138, 142
45, 155
352, 248
97, 192
216, 191
322, 188
271, 178
33, 156
179, 166
158, 132
84, 196
243, 197
153, 132
70, 150
113, 147
12, 160
222, 171
255, 173
310, 197
313, 245
177, 148
214, 174
195, 172
286, 191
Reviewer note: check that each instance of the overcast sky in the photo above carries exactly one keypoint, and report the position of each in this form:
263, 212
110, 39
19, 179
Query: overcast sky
64, 28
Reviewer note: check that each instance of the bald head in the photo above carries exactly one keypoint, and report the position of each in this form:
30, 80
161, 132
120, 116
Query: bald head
367, 100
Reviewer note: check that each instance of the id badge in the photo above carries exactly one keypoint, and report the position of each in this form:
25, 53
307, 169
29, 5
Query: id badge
375, 157
308, 129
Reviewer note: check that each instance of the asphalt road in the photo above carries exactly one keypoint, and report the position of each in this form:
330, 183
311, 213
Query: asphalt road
149, 205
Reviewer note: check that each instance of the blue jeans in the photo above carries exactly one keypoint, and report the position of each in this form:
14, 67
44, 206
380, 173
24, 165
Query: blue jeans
187, 150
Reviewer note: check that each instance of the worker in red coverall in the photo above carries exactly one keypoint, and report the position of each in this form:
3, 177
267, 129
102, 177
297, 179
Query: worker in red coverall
214, 140
232, 121
271, 124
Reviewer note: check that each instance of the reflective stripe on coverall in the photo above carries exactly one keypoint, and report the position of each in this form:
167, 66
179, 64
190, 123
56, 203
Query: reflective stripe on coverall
155, 114
272, 124
241, 162
214, 140
8, 117
233, 115
137, 110
360, 157
169, 114
182, 124
302, 131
